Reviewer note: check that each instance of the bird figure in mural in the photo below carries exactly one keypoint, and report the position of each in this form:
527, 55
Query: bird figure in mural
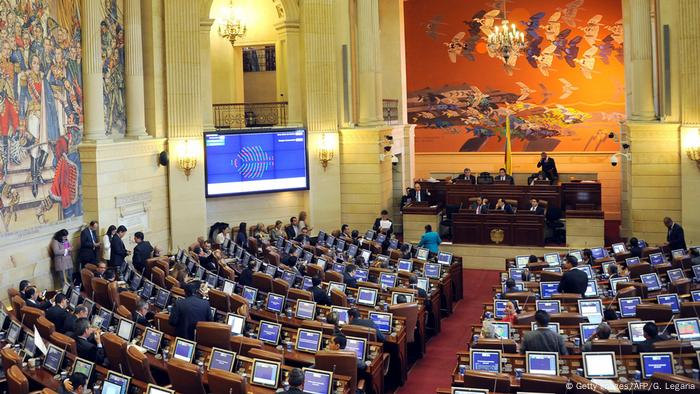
478, 96
567, 88
617, 31
590, 31
456, 46
533, 50
571, 51
587, 62
525, 91
533, 24
553, 26
544, 60
487, 21
568, 13
605, 49
509, 65
561, 41
546, 94
432, 26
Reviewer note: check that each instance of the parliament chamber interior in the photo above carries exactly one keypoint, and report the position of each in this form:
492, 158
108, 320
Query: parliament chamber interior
349, 196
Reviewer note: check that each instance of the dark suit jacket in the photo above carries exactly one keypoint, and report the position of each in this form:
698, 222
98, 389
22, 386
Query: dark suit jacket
472, 178
508, 209
57, 316
646, 345
549, 168
68, 325
139, 319
484, 209
539, 210
293, 390
424, 197
636, 251
87, 252
573, 281
377, 222
303, 239
142, 252
320, 296
508, 179
36, 304
676, 237
185, 315
246, 278
349, 280
543, 340
369, 323
88, 350
118, 251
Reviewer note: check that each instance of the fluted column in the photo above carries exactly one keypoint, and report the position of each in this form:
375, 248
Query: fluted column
638, 46
93, 84
369, 63
133, 47
289, 69
205, 59
690, 68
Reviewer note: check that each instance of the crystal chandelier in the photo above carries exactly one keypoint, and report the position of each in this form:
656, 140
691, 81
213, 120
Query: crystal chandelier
231, 26
506, 42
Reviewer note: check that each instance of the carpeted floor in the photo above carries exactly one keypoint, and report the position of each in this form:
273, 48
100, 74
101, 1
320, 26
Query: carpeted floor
435, 368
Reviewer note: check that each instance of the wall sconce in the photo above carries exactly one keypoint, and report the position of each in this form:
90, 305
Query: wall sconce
231, 25
326, 150
692, 146
187, 157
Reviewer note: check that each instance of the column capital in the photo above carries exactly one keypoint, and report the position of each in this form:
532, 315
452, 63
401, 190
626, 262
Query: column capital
286, 25
206, 24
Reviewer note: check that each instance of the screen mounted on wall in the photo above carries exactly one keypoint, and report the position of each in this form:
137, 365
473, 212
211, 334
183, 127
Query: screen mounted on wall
261, 161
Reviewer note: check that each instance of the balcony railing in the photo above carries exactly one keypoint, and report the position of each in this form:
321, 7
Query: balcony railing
240, 115
391, 111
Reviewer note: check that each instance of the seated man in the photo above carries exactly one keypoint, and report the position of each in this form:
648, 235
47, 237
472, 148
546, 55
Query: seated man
510, 286
57, 313
75, 383
295, 381
303, 237
140, 312
502, 205
101, 269
31, 297
535, 207
88, 342
635, 250
354, 315
543, 339
651, 336
23, 284
338, 342
574, 280
467, 176
503, 176
348, 276
205, 257
320, 295
601, 332
68, 326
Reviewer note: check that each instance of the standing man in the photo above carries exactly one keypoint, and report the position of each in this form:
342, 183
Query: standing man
119, 252
188, 311
574, 280
383, 223
675, 237
88, 244
142, 252
548, 167
418, 195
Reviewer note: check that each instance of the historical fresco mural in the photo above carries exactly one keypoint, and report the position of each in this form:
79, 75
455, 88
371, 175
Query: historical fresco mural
41, 112
112, 38
565, 92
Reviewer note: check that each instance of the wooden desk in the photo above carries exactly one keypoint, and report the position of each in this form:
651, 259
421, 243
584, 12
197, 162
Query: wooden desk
415, 217
517, 229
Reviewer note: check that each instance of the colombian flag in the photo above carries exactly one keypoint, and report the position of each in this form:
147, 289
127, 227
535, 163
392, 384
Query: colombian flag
509, 153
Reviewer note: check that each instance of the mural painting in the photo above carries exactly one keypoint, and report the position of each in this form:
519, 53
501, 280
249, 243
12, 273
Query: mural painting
565, 92
112, 38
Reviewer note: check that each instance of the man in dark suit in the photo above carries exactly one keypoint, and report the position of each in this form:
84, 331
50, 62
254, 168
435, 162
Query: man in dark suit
246, 278
651, 336
535, 207
293, 229
418, 195
383, 222
31, 297
118, 250
466, 176
574, 280
502, 205
188, 311
319, 294
543, 339
482, 206
548, 167
635, 250
88, 244
295, 381
140, 312
68, 325
101, 269
57, 313
502, 176
354, 316
303, 237
349, 276
675, 236
88, 342
142, 252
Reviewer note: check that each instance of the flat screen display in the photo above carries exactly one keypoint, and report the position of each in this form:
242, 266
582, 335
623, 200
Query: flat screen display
342, 314
275, 302
598, 253
553, 306
361, 274
444, 258
306, 309
118, 379
671, 300
432, 270
521, 261
587, 330
382, 321
269, 332
151, 340
599, 365
547, 289
367, 296
387, 280
485, 360
237, 323
687, 329
636, 330
656, 362
255, 162
184, 350
358, 345
266, 373
309, 340
656, 258
675, 274
317, 382
54, 358
543, 363
222, 359
499, 308
628, 306
652, 281
502, 330
162, 297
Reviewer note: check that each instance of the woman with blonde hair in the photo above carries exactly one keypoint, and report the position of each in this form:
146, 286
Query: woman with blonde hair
302, 221
277, 232
261, 233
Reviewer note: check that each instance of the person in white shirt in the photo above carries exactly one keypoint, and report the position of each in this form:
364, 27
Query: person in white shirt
383, 223
107, 244
223, 235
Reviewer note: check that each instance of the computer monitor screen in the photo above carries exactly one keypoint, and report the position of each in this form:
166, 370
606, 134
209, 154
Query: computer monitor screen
395, 297
105, 316
271, 270
656, 362
162, 298
677, 253
547, 289
553, 306
656, 258
288, 277
121, 380
552, 259
587, 269
151, 340
111, 388
275, 302
501, 329
29, 345
577, 254
84, 367
298, 251
521, 261
307, 256
499, 308
369, 235
696, 271
250, 294
599, 365
675, 274
352, 250
54, 358
382, 258
330, 240
687, 329
147, 289
380, 238
340, 246
135, 281
13, 332
695, 295
306, 310
342, 314
89, 304
387, 280
485, 360
543, 363
382, 321
367, 296
393, 244
266, 373
592, 289
590, 307
366, 254
628, 306
444, 258
422, 254
237, 323
212, 280
553, 327
337, 286
184, 350
519, 286
269, 332
358, 345
306, 283
339, 267
153, 389
599, 253
74, 298
221, 359
308, 340
587, 330
361, 274
615, 281
432, 270
462, 390
321, 263
652, 281
317, 382
200, 272
125, 329
405, 265
671, 300
636, 330
619, 248
516, 274
632, 260
423, 283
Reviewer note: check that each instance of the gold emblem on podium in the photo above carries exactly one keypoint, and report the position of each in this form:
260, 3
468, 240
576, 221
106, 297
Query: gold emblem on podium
497, 235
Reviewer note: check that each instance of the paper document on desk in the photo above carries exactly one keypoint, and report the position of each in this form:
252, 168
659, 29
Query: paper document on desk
608, 384
38, 342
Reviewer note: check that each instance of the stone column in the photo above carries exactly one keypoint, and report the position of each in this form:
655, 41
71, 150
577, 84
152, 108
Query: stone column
135, 102
369, 63
205, 59
638, 51
690, 68
289, 70
93, 83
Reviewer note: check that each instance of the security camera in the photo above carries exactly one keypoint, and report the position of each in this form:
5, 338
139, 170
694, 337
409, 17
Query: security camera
394, 160
625, 146
611, 135
614, 160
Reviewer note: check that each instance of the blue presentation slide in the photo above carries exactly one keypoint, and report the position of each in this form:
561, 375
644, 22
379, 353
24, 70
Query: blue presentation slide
255, 162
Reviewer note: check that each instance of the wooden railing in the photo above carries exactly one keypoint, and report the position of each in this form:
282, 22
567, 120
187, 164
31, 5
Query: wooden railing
240, 115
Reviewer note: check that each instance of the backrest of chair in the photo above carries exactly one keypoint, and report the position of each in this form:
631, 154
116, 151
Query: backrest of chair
138, 365
185, 377
11, 292
99, 288
525, 318
224, 382
64, 342
566, 297
128, 299
280, 286
228, 273
273, 258
219, 300
673, 345
17, 304
30, 315
680, 286
506, 345
314, 270
338, 298
123, 312
90, 266
548, 276
86, 277
360, 331
179, 291
171, 282
9, 358
638, 269
543, 383
17, 383
619, 346
162, 323
487, 380
115, 351
299, 294
641, 288
521, 296
236, 301
44, 326
213, 334
690, 309
253, 246
328, 329
266, 355
333, 276
158, 276
680, 384
567, 318
371, 285
655, 312
245, 344
340, 362
629, 291
113, 295
409, 311
262, 281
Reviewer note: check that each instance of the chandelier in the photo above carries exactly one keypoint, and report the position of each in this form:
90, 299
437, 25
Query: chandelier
506, 42
231, 26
